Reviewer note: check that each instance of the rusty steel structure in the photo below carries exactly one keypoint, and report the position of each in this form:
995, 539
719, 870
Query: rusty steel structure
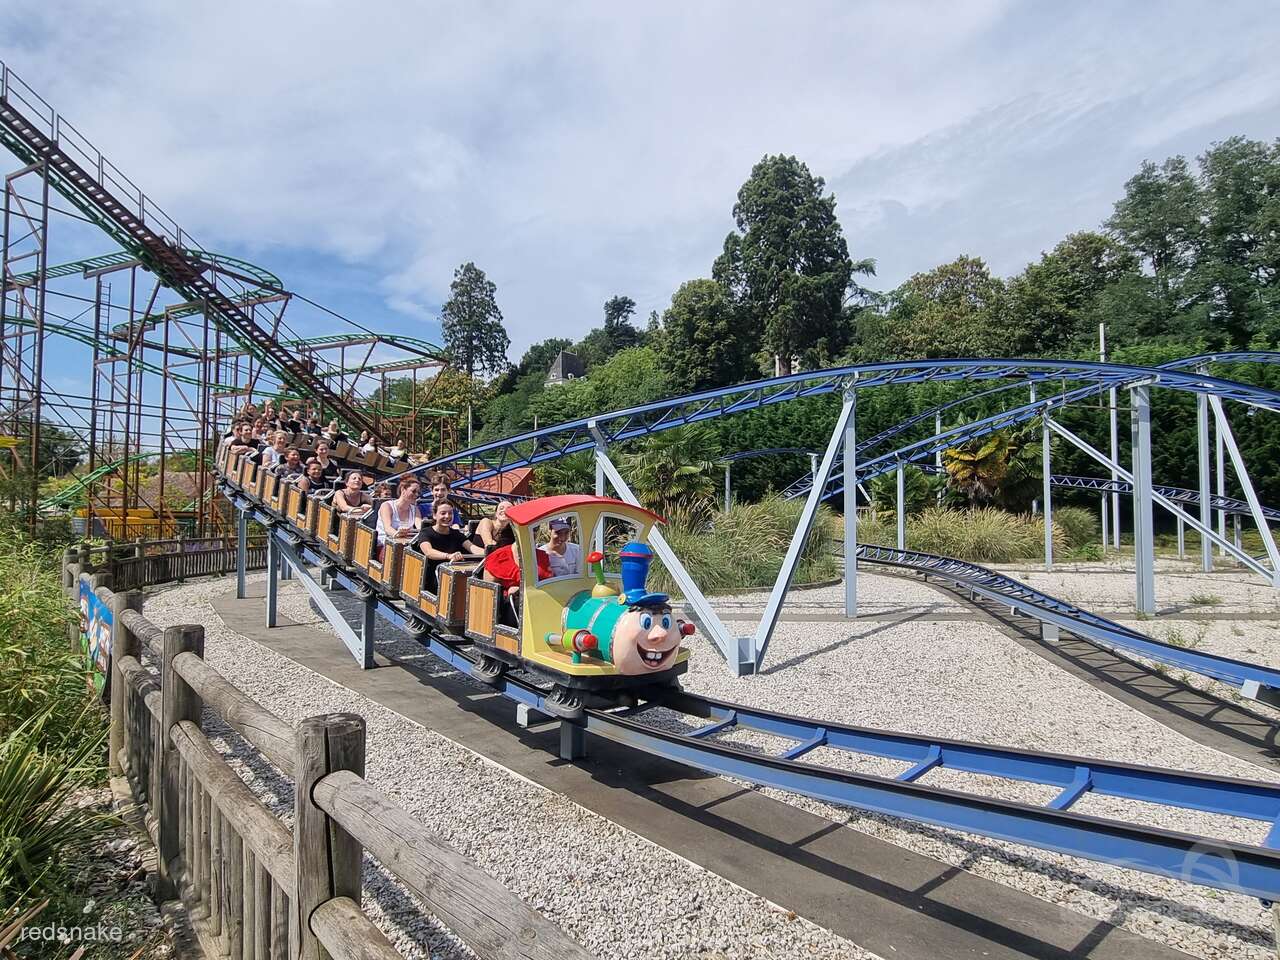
130, 364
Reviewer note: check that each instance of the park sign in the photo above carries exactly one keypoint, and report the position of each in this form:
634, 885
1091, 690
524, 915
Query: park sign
95, 635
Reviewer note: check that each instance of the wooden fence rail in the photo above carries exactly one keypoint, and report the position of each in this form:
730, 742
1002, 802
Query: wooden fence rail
254, 888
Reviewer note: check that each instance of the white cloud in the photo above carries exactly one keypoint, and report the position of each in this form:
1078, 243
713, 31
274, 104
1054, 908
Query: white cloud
573, 151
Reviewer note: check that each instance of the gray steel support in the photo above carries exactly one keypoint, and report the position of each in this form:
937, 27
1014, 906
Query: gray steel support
601, 448
937, 454
1225, 433
1202, 463
273, 579
242, 550
1164, 501
573, 741
736, 650
1035, 504
1106, 521
851, 506
778, 595
1182, 540
360, 645
902, 506
1221, 466
1143, 515
728, 490
1047, 468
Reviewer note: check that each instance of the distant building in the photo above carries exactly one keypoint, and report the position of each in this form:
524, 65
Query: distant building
564, 368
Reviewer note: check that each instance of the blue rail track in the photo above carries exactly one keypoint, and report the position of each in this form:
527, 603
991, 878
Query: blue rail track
1222, 863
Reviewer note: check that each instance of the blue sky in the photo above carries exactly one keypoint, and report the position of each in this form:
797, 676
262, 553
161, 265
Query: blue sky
575, 151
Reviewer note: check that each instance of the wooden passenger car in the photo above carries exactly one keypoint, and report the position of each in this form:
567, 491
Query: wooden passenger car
384, 572
447, 604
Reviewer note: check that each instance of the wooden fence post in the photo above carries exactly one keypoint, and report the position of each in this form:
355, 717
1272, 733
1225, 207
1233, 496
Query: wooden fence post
178, 702
123, 644
326, 858
69, 556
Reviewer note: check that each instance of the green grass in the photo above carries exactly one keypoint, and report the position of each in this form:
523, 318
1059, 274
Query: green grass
1205, 599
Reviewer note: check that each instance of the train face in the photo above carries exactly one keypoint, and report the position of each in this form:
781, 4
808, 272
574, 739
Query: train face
636, 639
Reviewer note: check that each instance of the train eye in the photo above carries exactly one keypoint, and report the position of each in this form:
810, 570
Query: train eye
666, 622
646, 621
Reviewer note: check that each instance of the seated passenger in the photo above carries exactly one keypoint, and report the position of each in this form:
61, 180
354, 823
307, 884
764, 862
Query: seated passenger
312, 480
495, 531
564, 554
440, 491
352, 500
443, 543
399, 520
290, 467
381, 490
503, 567
270, 456
366, 442
397, 451
333, 434
242, 439
327, 464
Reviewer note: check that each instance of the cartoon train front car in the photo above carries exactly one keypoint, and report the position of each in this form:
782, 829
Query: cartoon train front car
600, 637
597, 635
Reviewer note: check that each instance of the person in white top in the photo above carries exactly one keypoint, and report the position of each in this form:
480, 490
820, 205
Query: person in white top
275, 453
399, 519
564, 554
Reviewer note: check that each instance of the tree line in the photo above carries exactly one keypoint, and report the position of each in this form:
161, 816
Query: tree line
1188, 261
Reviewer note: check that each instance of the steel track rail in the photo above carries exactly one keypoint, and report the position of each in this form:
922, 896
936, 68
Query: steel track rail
550, 443
1220, 863
1041, 606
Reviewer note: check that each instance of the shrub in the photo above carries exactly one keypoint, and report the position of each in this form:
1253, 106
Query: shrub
1078, 524
745, 547
41, 834
39, 673
985, 535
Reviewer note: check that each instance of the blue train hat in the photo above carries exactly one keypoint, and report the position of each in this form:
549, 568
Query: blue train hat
634, 561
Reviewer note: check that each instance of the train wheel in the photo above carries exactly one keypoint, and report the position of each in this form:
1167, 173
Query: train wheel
489, 669
418, 628
563, 703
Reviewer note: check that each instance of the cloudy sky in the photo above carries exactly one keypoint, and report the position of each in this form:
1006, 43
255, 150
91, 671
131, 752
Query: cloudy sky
575, 151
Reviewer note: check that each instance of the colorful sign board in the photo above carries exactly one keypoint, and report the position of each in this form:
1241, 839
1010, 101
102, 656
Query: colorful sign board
95, 635
8, 442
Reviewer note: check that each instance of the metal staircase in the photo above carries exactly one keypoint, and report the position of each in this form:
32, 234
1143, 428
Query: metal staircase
141, 227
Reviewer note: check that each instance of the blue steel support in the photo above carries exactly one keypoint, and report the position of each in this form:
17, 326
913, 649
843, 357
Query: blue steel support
850, 447
772, 607
360, 645
242, 551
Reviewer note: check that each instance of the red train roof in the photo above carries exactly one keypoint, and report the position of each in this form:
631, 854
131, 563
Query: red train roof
531, 511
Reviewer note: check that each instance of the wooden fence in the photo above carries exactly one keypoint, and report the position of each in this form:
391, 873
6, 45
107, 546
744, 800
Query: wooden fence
136, 564
252, 887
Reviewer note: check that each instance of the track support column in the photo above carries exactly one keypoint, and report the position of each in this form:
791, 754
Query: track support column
902, 506
1202, 463
851, 505
273, 578
778, 595
242, 550
1046, 467
1143, 519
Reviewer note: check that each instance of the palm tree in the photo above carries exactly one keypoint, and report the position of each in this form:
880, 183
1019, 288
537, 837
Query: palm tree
674, 471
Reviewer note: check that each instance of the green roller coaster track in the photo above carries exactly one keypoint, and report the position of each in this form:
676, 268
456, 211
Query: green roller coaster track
67, 495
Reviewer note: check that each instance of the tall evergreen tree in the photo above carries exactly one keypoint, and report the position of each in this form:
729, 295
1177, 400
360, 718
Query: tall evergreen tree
472, 323
787, 265
702, 339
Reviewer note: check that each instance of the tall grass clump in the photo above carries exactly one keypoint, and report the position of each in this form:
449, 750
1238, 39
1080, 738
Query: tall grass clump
745, 547
984, 535
51, 733
1079, 526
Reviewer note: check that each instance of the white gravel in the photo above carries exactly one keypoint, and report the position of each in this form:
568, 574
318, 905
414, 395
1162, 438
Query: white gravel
966, 680
615, 892
923, 670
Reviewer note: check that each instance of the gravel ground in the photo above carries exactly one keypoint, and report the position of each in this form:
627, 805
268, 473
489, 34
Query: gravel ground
961, 678
551, 852
969, 681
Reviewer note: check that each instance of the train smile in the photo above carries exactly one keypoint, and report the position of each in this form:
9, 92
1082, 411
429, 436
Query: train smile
654, 659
